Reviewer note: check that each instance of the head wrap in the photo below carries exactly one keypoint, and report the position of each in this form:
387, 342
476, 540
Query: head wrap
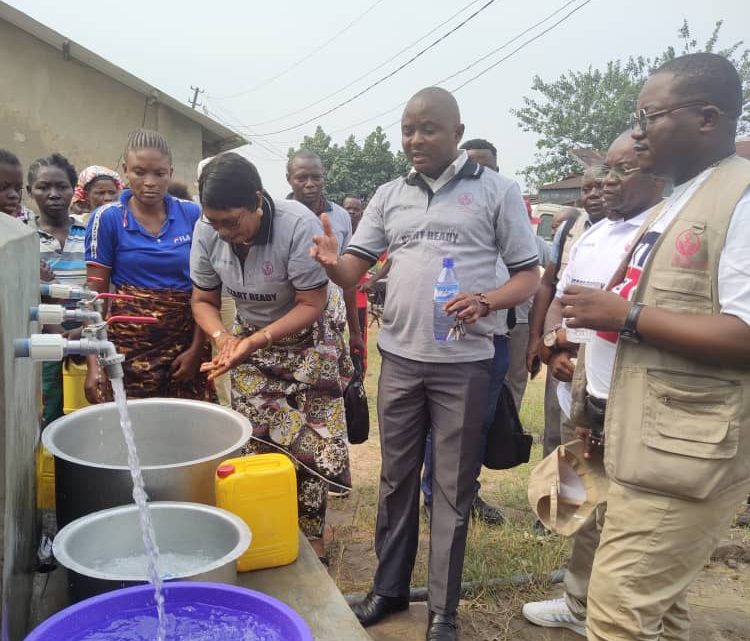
88, 175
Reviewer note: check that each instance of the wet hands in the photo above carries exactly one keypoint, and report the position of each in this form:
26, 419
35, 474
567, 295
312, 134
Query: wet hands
325, 247
594, 308
232, 351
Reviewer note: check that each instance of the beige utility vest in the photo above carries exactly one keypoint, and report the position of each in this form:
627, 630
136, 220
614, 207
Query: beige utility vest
676, 426
574, 233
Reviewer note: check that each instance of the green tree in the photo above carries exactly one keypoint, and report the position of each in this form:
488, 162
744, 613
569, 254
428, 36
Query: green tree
591, 108
354, 169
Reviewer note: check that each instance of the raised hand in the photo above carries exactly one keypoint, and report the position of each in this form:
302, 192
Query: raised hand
325, 247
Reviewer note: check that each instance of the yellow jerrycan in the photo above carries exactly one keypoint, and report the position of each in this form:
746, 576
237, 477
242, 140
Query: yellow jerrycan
262, 490
74, 378
45, 479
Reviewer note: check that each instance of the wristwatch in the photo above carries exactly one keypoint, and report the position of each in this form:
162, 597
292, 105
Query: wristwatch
629, 330
484, 301
550, 338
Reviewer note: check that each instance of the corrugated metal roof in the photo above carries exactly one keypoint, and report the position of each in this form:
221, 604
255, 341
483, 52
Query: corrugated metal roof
587, 157
214, 132
572, 182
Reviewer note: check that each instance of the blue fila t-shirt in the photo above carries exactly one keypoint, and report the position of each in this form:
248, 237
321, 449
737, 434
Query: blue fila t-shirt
115, 239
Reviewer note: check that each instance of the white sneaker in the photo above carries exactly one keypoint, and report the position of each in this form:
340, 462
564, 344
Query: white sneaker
553, 614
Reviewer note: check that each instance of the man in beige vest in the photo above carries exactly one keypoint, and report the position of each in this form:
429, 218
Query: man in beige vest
677, 433
628, 196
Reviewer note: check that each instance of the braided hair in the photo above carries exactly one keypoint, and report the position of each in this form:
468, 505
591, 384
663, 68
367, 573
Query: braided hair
147, 139
54, 160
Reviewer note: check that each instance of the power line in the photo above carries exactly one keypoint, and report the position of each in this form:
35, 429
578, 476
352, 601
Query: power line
367, 73
529, 41
508, 43
298, 62
387, 76
475, 62
266, 145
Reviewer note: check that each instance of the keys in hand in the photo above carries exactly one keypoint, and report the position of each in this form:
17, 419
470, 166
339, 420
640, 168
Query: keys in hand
457, 332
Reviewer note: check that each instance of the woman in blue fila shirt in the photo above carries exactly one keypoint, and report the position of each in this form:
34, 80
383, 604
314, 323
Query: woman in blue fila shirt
141, 245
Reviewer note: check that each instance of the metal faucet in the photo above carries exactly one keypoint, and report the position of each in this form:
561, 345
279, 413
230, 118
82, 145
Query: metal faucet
93, 341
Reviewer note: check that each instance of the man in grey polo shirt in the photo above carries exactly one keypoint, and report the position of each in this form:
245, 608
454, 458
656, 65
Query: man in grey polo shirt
305, 174
446, 207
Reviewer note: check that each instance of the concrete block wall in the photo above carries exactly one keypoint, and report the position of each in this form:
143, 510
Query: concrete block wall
19, 426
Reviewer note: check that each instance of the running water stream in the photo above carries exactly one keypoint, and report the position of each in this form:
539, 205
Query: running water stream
140, 498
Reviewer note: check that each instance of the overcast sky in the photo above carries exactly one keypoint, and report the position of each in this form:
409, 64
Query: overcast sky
227, 47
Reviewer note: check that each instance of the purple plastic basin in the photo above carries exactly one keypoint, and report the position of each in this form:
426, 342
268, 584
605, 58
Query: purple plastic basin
97, 611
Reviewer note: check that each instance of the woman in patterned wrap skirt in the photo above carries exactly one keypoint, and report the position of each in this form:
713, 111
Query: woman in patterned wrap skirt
141, 245
286, 350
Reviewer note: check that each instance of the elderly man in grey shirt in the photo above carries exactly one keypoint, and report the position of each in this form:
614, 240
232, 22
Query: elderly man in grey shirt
447, 206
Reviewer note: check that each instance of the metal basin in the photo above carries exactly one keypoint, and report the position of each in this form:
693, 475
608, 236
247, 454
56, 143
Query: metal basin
95, 548
179, 444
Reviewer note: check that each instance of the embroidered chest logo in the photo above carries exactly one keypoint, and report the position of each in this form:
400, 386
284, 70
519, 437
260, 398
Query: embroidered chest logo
688, 243
185, 238
465, 199
267, 268
690, 251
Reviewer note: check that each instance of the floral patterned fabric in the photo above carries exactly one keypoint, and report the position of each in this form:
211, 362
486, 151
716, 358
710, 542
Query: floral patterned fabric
150, 350
292, 393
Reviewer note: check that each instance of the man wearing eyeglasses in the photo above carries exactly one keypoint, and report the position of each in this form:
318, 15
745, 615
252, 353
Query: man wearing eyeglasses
628, 196
677, 422
542, 343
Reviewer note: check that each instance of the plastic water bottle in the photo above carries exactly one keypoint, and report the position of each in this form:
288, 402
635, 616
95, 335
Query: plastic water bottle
446, 288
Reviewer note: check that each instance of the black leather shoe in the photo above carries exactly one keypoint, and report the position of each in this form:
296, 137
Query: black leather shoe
486, 512
442, 627
375, 607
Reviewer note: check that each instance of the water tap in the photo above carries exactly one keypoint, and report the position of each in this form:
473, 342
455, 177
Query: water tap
55, 347
93, 341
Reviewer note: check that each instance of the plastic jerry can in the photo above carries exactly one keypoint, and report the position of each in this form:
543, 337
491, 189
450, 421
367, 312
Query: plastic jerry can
45, 479
262, 490
74, 378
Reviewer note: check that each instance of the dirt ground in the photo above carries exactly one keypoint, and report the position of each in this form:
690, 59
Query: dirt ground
720, 598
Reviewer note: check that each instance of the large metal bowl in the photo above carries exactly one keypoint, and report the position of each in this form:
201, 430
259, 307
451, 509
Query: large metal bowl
179, 444
214, 537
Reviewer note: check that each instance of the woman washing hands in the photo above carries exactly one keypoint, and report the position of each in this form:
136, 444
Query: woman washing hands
286, 353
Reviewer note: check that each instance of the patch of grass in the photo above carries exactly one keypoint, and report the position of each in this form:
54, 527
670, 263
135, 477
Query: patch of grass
492, 552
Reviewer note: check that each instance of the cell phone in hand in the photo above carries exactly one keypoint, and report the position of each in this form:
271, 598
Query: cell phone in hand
536, 367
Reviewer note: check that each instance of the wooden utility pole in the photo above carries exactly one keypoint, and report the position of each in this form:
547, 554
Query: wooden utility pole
194, 100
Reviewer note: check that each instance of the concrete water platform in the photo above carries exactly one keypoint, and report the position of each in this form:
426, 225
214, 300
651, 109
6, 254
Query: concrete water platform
304, 585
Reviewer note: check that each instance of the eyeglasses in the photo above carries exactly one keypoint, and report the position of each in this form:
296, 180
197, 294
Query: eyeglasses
641, 118
222, 224
618, 172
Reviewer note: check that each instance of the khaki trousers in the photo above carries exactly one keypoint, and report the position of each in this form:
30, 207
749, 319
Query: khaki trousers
585, 543
652, 548
223, 383
518, 376
552, 416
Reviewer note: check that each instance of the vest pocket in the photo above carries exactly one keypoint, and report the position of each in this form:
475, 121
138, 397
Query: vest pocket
683, 290
691, 415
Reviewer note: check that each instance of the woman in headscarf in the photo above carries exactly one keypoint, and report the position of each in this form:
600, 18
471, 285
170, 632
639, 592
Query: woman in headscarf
96, 186
286, 352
